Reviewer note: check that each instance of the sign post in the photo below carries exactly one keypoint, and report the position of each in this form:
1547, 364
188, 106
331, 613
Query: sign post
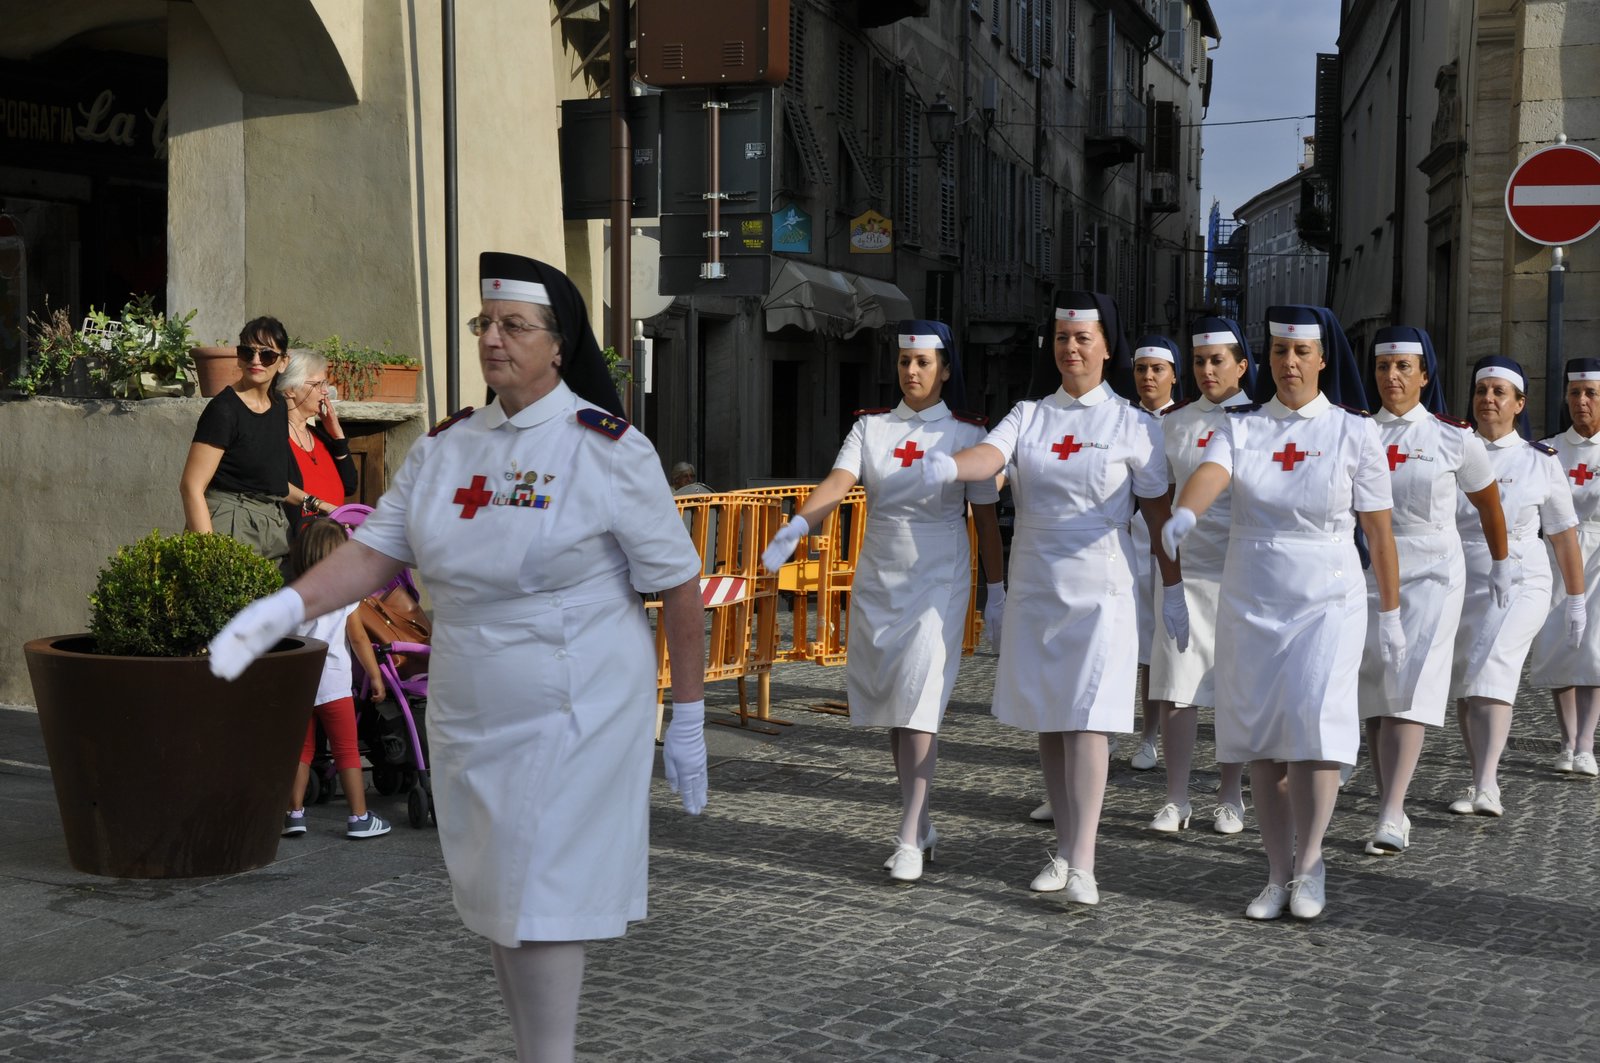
1553, 198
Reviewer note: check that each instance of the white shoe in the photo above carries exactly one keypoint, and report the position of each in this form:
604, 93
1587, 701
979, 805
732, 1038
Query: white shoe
1462, 805
1390, 838
1228, 818
930, 841
1081, 887
1583, 764
1043, 814
1487, 803
1145, 757
1564, 760
1269, 904
1172, 818
1308, 895
906, 863
1345, 772
1052, 878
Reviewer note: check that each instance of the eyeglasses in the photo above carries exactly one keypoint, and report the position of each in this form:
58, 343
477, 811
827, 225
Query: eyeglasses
513, 327
321, 384
267, 355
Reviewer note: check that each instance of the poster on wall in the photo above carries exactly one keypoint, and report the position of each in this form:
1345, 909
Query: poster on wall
791, 230
871, 234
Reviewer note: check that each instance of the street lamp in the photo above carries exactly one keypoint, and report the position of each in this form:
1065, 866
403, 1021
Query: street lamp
941, 122
1086, 260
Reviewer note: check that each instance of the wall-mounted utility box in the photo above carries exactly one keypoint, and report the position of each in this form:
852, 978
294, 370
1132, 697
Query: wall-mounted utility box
713, 42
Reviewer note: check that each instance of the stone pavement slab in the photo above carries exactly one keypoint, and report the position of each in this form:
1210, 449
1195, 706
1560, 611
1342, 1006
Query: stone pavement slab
775, 935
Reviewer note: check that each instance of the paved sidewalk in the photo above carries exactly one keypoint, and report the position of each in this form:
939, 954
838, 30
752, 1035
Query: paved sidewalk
776, 935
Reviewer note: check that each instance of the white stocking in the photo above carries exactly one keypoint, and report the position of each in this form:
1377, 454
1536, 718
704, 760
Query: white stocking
540, 982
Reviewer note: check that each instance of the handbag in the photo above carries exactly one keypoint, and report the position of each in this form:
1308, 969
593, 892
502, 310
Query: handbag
396, 617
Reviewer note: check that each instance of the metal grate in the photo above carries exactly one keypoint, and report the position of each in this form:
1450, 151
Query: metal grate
672, 56
733, 53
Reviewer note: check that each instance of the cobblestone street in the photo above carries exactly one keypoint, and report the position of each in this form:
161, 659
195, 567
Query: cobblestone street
776, 935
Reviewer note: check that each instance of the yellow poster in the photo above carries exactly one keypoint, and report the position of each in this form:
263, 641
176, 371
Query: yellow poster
871, 234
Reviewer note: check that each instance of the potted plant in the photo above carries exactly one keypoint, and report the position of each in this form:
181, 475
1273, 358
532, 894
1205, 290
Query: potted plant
161, 769
215, 367
369, 374
139, 354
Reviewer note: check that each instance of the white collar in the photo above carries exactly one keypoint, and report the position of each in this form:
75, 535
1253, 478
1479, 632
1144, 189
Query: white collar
1238, 398
1168, 405
1510, 439
560, 400
1419, 412
1578, 439
1318, 405
937, 412
1093, 397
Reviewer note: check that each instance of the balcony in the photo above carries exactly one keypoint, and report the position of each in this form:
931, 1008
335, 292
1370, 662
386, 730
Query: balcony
1117, 121
1161, 193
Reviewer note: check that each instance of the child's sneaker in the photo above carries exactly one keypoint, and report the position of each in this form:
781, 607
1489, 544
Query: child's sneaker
368, 826
294, 823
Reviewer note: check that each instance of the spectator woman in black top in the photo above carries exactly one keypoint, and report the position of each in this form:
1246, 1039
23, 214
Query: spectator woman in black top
236, 474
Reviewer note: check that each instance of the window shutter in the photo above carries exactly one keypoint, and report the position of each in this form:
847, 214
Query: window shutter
848, 121
1071, 64
1047, 31
909, 222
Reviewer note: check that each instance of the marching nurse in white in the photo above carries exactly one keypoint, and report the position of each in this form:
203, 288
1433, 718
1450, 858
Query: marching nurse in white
1574, 674
535, 522
908, 604
1067, 667
1493, 640
1292, 616
1158, 387
1182, 682
1432, 458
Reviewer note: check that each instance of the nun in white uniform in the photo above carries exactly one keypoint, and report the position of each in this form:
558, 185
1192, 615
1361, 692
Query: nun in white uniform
1158, 387
1182, 682
1432, 459
1493, 640
1292, 616
536, 522
1067, 669
908, 604
1574, 674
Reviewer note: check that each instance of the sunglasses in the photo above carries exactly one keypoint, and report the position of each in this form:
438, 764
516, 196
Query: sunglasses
267, 355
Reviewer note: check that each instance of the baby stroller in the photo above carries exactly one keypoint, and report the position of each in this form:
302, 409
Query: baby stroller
391, 732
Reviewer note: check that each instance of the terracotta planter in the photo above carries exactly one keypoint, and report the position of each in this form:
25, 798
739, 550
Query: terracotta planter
396, 383
161, 769
215, 368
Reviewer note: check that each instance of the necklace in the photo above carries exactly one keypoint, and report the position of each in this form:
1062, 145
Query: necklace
309, 447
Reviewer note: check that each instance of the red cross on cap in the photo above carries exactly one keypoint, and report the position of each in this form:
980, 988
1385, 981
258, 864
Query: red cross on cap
497, 285
1291, 328
1393, 346
913, 340
1072, 313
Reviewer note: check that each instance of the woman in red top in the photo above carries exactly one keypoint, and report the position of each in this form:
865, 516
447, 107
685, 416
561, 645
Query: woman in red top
319, 454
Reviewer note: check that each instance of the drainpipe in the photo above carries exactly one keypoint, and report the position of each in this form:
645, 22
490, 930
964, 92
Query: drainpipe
452, 265
1401, 118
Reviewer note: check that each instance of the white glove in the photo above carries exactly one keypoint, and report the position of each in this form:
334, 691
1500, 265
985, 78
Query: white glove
1180, 524
994, 611
1501, 577
1577, 619
1175, 614
683, 754
1392, 642
938, 468
781, 548
255, 630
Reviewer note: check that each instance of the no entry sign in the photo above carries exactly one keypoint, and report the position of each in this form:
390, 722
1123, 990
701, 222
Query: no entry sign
1553, 196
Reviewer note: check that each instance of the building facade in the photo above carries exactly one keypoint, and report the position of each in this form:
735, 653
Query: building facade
1280, 267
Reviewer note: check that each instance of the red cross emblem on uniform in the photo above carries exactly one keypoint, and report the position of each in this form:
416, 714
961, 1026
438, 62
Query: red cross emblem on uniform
1581, 475
1203, 440
473, 498
1395, 457
1066, 448
497, 285
1289, 457
907, 452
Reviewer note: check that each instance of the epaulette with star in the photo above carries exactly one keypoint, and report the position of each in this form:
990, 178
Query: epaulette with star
869, 411
453, 419
1541, 448
1176, 406
1249, 407
970, 418
607, 424
1456, 421
1355, 410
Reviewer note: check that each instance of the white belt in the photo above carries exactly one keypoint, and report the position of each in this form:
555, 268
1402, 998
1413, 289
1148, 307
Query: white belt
1268, 535
527, 605
1410, 530
1070, 523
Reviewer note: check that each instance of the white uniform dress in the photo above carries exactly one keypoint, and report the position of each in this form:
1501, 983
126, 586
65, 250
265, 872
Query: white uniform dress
1553, 663
1431, 461
1066, 661
1292, 616
908, 602
535, 536
1188, 677
1148, 574
1492, 642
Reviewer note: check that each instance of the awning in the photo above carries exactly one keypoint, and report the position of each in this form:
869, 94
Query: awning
813, 298
879, 303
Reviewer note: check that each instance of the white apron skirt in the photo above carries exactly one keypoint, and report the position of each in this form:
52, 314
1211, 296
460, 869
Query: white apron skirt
1553, 664
908, 609
539, 729
1188, 678
1291, 622
1143, 565
1492, 643
1433, 581
1066, 661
